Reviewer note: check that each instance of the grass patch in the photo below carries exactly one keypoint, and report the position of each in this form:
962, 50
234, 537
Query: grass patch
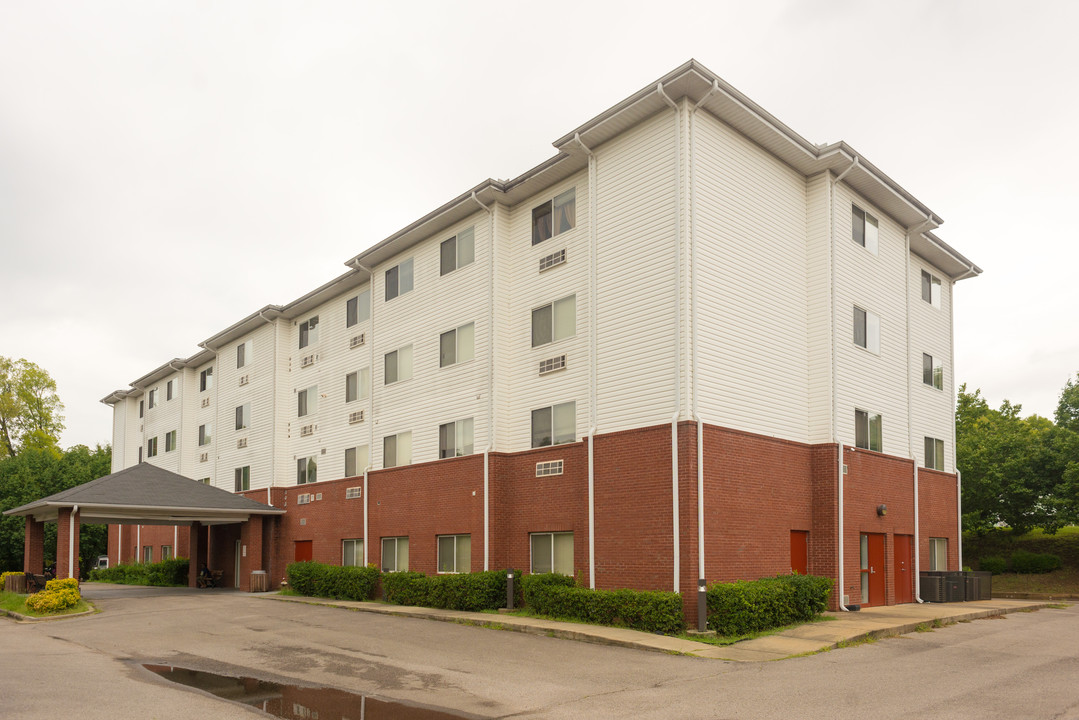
922, 627
1059, 606
866, 640
17, 603
1059, 582
732, 639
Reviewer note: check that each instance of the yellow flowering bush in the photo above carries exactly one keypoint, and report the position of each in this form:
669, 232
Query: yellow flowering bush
58, 595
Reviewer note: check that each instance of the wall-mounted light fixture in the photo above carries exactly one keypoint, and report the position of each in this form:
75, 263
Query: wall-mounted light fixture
882, 510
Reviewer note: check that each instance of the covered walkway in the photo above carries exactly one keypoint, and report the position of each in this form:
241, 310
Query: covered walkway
145, 494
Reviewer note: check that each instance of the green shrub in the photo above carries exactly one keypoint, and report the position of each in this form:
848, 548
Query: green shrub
333, 581
994, 564
1028, 562
744, 607
163, 574
465, 591
651, 611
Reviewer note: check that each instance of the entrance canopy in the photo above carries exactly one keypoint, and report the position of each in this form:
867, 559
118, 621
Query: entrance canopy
145, 494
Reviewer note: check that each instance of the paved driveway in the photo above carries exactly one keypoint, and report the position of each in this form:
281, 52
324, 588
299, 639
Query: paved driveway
1023, 666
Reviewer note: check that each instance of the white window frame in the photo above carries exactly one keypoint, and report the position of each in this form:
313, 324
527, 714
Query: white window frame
206, 434
166, 552
243, 416
358, 309
243, 354
932, 284
206, 379
461, 431
934, 454
550, 537
307, 470
242, 478
307, 401
400, 279
870, 228
869, 323
863, 426
309, 332
358, 385
400, 546
932, 371
401, 449
557, 330
566, 408
171, 388
151, 401
360, 460
938, 553
458, 560
352, 550
550, 208
170, 441
151, 447
461, 248
401, 363
463, 338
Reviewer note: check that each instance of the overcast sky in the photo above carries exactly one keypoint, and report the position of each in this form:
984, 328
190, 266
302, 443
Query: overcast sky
168, 168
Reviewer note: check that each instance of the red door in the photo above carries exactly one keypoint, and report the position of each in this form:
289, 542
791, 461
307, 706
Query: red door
800, 552
873, 585
304, 551
903, 566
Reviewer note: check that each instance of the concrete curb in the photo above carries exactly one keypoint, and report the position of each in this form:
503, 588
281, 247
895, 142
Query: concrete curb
19, 617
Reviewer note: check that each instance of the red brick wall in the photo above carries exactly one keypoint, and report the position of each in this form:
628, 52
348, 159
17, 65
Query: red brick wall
937, 507
135, 537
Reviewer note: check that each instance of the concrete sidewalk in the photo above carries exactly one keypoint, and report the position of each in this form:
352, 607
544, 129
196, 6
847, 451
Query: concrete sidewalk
810, 638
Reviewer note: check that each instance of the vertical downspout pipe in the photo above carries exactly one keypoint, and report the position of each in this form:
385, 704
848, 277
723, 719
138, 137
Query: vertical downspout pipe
273, 435
593, 412
371, 401
365, 533
959, 514
490, 385
835, 389
71, 571
677, 335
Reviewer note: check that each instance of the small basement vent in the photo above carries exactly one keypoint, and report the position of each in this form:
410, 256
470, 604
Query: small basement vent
303, 498
241, 443
548, 262
308, 361
243, 380
318, 496
206, 402
846, 469
204, 457
551, 467
307, 430
356, 341
550, 365
353, 493
355, 417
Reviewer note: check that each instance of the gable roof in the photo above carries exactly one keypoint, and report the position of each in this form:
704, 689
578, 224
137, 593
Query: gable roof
150, 495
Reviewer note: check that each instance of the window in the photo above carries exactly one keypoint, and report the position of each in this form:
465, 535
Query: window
204, 481
141, 410
454, 553
554, 425
206, 379
243, 416
455, 439
309, 332
148, 553
358, 385
866, 330
932, 372
170, 389
398, 365
358, 309
352, 553
931, 289
152, 399
307, 470
867, 431
206, 434
552, 552
399, 280
307, 401
243, 478
554, 216
458, 251
243, 354
166, 552
397, 450
170, 441
934, 454
457, 346
864, 229
140, 453
151, 447
938, 553
394, 554
555, 321
356, 460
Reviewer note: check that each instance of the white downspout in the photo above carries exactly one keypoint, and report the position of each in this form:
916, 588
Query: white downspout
119, 542
71, 571
593, 411
677, 334
370, 403
959, 513
835, 389
490, 385
138, 543
273, 407
955, 450
365, 533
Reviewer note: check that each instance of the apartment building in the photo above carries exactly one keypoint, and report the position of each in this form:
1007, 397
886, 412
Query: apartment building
692, 344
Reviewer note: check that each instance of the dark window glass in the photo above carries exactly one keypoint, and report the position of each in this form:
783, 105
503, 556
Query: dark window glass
542, 326
858, 225
541, 223
449, 255
392, 283
541, 427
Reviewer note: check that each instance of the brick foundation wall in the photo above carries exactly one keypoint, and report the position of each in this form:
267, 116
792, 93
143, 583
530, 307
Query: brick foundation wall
937, 508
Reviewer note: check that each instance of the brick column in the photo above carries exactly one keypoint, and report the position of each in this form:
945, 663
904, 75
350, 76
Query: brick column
250, 550
33, 557
66, 536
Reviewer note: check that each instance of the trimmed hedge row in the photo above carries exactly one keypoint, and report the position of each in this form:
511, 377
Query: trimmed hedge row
1021, 562
332, 581
744, 607
466, 591
650, 611
164, 574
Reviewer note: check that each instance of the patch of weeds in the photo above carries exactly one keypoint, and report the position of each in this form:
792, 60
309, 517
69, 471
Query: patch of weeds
1027, 610
864, 640
922, 627
939, 623
732, 639
966, 621
1058, 606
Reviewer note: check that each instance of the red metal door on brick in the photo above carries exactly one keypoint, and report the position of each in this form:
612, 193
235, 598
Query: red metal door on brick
872, 555
800, 552
903, 565
304, 550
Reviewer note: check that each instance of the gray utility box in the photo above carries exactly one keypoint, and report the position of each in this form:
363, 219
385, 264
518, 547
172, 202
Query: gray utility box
952, 586
971, 585
931, 588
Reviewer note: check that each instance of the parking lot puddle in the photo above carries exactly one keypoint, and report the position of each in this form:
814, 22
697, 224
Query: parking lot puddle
294, 701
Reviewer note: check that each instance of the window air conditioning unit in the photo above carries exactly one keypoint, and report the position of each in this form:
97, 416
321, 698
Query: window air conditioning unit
356, 341
243, 380
353, 493
206, 402
308, 361
551, 365
551, 260
355, 417
241, 443
307, 430
551, 467
318, 496
303, 498
204, 457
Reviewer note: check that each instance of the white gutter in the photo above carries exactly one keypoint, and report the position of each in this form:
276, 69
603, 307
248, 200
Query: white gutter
835, 389
677, 335
490, 384
71, 572
370, 399
593, 410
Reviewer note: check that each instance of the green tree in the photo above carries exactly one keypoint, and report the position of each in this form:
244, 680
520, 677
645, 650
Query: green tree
30, 410
1067, 414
